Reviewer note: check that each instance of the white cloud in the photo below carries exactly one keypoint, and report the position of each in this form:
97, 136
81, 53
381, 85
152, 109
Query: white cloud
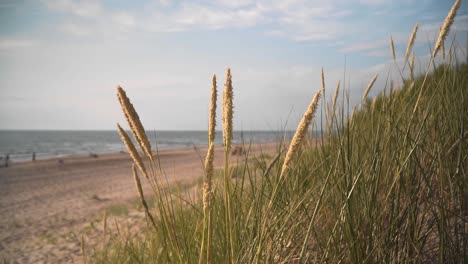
192, 15
124, 19
14, 43
76, 29
299, 20
307, 20
379, 53
364, 46
80, 8
236, 4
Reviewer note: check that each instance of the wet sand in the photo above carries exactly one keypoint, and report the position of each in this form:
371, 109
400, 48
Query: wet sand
46, 205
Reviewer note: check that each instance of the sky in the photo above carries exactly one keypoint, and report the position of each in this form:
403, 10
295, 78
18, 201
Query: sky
61, 60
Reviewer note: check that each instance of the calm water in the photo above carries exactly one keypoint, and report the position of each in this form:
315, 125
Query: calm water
47, 144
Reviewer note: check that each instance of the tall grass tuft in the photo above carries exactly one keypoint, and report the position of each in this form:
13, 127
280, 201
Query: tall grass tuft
387, 185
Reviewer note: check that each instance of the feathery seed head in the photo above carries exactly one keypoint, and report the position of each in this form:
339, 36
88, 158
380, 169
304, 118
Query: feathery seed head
207, 197
134, 122
411, 42
132, 150
335, 96
446, 26
208, 185
369, 86
301, 131
227, 111
212, 117
209, 162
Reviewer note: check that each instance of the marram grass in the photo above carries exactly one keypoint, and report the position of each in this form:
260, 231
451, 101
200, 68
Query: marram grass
388, 185
345, 184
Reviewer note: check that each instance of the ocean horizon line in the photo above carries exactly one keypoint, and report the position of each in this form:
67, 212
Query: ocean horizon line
160, 130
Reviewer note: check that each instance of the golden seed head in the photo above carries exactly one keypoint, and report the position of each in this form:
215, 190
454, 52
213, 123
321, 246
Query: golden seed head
301, 131
134, 122
369, 86
209, 169
227, 111
207, 197
411, 42
209, 162
132, 150
212, 117
446, 26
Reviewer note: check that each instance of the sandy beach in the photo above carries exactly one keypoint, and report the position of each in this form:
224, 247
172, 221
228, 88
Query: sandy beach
45, 206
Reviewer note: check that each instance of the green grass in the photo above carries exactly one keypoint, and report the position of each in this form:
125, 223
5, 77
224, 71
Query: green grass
388, 185
383, 188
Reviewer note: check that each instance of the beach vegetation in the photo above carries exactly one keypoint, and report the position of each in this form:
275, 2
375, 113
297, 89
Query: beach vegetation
386, 182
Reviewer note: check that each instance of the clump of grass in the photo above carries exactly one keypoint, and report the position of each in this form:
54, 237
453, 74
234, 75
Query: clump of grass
387, 186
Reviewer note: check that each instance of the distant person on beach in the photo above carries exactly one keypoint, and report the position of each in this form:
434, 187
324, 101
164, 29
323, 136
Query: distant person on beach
34, 156
7, 158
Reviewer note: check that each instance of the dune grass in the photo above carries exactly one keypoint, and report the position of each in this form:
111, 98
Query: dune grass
387, 184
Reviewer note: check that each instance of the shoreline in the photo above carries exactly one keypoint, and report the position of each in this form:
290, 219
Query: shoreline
97, 155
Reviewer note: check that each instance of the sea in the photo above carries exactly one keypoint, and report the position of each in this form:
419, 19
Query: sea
20, 145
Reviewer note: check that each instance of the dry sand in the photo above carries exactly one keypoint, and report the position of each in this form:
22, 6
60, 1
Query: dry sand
46, 206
